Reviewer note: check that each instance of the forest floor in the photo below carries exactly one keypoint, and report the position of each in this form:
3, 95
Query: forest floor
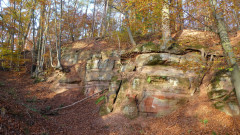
21, 101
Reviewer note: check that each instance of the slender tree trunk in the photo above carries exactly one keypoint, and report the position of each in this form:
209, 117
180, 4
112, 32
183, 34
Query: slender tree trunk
109, 16
222, 31
47, 36
93, 21
26, 34
58, 47
34, 43
19, 37
166, 31
13, 35
40, 40
50, 53
71, 23
60, 38
127, 26
27, 30
104, 19
129, 30
85, 20
56, 30
9, 41
2, 38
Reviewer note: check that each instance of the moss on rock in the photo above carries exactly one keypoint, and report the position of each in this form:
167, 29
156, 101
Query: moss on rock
217, 78
104, 110
150, 47
217, 94
155, 60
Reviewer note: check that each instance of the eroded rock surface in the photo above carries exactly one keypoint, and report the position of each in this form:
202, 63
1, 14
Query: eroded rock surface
143, 80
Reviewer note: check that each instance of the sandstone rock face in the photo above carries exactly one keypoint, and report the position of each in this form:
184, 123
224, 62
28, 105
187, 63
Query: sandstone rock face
158, 85
143, 81
99, 72
158, 82
149, 83
222, 93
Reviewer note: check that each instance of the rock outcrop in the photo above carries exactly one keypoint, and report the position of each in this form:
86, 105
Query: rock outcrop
154, 83
145, 80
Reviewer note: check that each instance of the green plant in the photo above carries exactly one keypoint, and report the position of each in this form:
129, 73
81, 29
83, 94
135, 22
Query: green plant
214, 133
31, 107
48, 108
149, 79
100, 99
205, 121
37, 80
230, 69
141, 131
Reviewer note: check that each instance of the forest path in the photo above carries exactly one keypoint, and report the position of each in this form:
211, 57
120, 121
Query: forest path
21, 101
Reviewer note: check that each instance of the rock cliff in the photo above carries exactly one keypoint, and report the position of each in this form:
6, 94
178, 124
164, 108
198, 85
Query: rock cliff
145, 80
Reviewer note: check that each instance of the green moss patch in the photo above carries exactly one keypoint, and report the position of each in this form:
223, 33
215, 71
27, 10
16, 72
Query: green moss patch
215, 81
152, 79
114, 78
104, 110
150, 47
217, 94
219, 105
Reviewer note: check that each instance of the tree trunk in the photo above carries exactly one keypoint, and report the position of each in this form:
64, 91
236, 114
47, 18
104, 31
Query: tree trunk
104, 20
34, 43
19, 37
222, 32
60, 38
13, 35
40, 40
166, 31
93, 21
2, 38
109, 16
58, 46
85, 20
129, 30
127, 25
71, 23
